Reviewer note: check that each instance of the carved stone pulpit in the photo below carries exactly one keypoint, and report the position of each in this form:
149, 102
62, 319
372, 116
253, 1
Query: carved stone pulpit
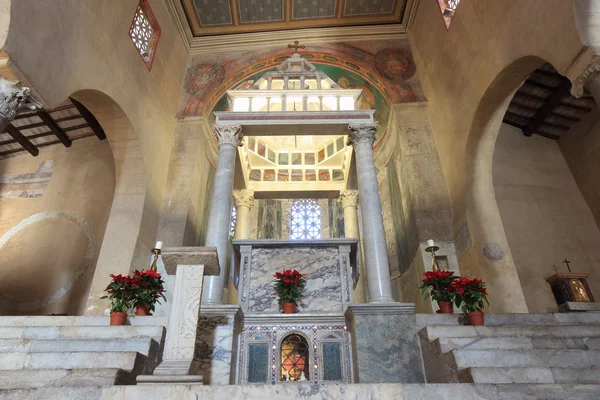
572, 292
189, 265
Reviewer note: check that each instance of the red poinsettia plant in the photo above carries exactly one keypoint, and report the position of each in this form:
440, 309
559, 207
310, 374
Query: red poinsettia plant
289, 285
119, 292
437, 284
148, 288
470, 294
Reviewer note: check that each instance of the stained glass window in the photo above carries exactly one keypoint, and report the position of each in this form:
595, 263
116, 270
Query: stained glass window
306, 220
294, 359
448, 9
233, 219
144, 32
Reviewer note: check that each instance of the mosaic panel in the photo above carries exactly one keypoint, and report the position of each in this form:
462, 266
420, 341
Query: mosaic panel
258, 362
305, 9
332, 361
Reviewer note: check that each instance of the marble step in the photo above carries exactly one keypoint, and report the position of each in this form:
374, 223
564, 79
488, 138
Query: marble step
574, 318
526, 358
567, 331
30, 379
142, 345
127, 361
83, 332
444, 345
63, 320
529, 375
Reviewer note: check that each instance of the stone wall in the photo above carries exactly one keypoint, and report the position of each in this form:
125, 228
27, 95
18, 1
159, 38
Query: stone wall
53, 213
545, 216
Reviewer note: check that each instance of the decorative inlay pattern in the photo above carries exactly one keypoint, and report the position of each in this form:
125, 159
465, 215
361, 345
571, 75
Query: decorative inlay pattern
213, 12
361, 7
307, 9
315, 335
252, 11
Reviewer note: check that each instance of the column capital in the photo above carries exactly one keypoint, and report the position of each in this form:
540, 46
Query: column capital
349, 198
587, 76
244, 198
362, 133
229, 134
14, 97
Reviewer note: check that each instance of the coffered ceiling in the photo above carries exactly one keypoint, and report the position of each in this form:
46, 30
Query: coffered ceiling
229, 25
217, 17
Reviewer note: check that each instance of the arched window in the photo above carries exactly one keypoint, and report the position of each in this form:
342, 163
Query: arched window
294, 359
306, 220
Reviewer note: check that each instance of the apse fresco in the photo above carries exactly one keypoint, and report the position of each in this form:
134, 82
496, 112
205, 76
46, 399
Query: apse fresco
385, 70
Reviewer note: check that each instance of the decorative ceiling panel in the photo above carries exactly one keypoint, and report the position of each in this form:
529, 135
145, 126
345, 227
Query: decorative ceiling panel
223, 17
369, 7
213, 12
305, 9
254, 11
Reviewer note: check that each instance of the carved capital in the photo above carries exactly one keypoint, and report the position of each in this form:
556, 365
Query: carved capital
349, 198
587, 76
243, 198
362, 133
229, 134
14, 97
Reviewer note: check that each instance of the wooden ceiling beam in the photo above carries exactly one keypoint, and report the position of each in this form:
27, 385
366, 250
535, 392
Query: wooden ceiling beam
528, 108
517, 116
90, 119
68, 118
549, 74
575, 107
22, 140
540, 85
553, 101
54, 128
30, 137
512, 123
565, 117
532, 96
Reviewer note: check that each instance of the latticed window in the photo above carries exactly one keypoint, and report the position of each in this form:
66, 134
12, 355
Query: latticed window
294, 359
144, 32
306, 220
233, 220
448, 9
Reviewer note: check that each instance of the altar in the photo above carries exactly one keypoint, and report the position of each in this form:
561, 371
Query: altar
314, 344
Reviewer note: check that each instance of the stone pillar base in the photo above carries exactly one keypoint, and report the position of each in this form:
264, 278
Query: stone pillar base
216, 343
385, 343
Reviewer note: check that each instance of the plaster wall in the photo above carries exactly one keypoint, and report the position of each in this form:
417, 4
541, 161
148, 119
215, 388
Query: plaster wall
545, 216
467, 74
42, 258
580, 148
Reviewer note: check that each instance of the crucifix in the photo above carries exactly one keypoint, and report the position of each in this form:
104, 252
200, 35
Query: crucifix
296, 46
567, 262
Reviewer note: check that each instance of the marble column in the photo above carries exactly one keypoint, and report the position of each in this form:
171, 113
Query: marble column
362, 137
243, 200
589, 81
217, 234
349, 200
13, 98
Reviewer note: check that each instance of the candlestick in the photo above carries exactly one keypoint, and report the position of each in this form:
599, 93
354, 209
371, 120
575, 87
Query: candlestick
158, 245
432, 248
156, 251
430, 243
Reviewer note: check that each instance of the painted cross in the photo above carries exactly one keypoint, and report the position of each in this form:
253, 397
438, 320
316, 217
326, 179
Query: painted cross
296, 46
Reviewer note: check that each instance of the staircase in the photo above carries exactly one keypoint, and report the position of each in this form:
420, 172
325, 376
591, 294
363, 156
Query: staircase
513, 349
38, 352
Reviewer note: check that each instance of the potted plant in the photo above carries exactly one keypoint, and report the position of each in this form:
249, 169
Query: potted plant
121, 295
470, 296
289, 284
437, 284
148, 289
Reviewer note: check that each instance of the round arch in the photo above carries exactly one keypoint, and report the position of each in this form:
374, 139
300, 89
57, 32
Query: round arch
493, 259
124, 237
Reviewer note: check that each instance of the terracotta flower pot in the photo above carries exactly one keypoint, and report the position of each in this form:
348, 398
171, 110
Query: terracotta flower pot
475, 317
141, 310
288, 308
118, 318
446, 307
